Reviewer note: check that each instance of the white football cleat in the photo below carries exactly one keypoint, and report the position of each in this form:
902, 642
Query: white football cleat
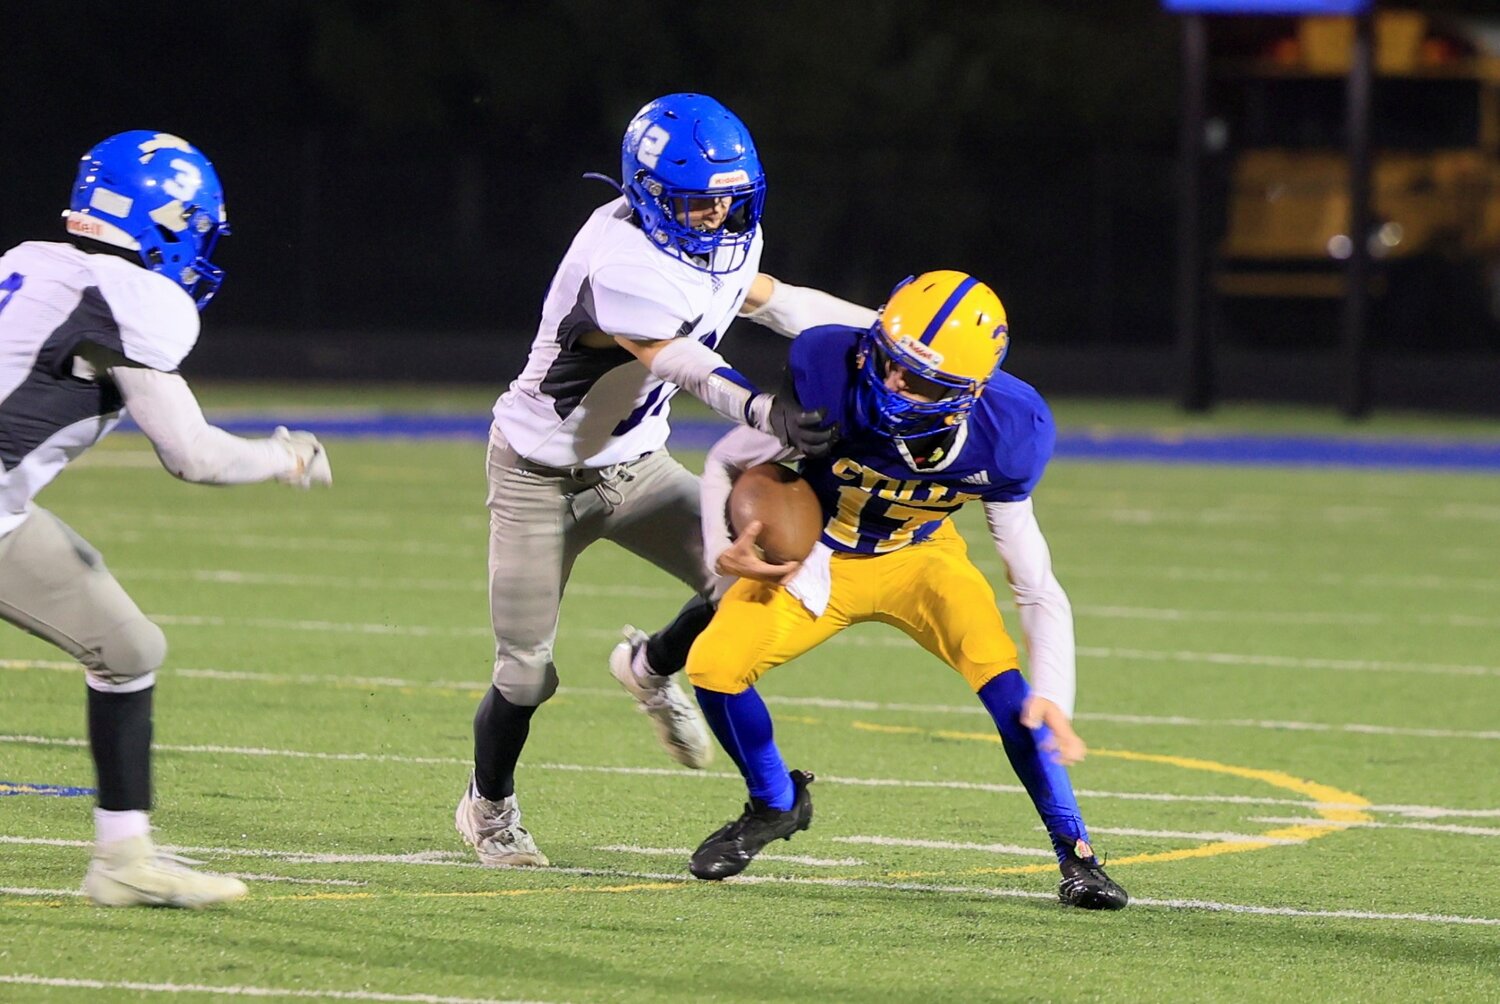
133, 872
679, 724
494, 830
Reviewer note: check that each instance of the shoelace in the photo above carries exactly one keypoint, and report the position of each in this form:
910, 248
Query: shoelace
667, 697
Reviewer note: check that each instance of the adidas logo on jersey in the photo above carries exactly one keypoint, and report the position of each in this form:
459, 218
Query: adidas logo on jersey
981, 478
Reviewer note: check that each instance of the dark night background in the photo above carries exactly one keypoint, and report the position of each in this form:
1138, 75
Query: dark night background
402, 177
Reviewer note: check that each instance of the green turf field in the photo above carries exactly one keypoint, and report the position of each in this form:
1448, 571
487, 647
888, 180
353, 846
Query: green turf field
1288, 679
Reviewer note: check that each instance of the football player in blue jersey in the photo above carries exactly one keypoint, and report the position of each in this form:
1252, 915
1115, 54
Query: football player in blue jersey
91, 329
636, 311
928, 422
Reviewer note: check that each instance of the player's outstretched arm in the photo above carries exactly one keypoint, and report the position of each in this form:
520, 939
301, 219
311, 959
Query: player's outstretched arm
706, 375
190, 448
1046, 620
790, 310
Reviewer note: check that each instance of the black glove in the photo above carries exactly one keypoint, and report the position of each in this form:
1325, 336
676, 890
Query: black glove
798, 428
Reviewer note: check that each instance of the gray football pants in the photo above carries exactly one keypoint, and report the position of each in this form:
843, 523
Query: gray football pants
542, 519
53, 583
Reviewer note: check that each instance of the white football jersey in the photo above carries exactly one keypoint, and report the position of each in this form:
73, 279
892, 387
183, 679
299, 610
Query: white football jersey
574, 406
53, 298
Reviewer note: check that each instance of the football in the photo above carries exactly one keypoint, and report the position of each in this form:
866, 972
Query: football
784, 503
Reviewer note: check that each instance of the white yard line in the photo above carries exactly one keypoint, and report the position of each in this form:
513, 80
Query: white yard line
1423, 811
686, 852
32, 979
1244, 838
290, 521
1311, 617
856, 641
133, 534
450, 858
52, 664
991, 891
833, 703
1292, 726
1467, 831
875, 641
1212, 573
258, 877
1286, 662
321, 627
477, 585
302, 545
262, 751
950, 890
945, 845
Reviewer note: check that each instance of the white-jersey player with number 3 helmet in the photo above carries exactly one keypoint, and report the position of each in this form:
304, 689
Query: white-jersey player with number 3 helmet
635, 312
88, 331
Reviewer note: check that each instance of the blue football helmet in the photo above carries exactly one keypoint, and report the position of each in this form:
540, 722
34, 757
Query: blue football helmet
946, 328
157, 195
686, 147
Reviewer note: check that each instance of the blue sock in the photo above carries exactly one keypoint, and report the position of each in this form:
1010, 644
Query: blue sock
743, 726
1046, 782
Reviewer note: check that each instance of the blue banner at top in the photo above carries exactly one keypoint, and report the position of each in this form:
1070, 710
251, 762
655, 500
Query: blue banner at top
1290, 7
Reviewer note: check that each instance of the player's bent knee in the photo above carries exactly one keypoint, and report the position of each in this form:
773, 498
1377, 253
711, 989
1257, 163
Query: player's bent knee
133, 650
1004, 696
527, 687
706, 675
978, 677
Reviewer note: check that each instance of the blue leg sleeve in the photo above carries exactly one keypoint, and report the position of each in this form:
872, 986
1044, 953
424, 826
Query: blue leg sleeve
1046, 781
743, 727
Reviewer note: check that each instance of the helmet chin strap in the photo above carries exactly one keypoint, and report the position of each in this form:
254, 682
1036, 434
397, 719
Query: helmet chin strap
934, 451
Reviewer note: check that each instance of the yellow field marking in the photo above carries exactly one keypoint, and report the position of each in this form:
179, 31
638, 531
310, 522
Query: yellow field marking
891, 729
481, 894
1314, 790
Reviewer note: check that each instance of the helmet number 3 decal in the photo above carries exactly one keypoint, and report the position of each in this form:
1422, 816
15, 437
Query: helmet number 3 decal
187, 181
653, 140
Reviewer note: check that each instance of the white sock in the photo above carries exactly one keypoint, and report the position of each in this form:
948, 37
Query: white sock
641, 667
110, 826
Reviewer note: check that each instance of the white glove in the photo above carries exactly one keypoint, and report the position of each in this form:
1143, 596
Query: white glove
312, 460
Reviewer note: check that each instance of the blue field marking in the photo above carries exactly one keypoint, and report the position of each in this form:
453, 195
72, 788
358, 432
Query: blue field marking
1283, 451
53, 790
1141, 447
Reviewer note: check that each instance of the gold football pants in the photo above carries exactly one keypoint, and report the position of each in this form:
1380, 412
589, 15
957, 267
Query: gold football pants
930, 590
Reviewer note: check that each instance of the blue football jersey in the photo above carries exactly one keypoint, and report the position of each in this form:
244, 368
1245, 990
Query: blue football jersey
872, 499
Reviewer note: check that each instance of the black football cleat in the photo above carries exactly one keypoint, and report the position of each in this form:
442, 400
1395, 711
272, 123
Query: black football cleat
729, 849
1085, 885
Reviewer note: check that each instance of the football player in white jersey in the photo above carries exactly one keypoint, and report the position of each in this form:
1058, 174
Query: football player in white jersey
577, 449
89, 330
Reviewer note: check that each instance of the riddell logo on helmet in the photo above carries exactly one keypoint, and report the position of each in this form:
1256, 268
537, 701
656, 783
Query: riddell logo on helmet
728, 179
85, 227
917, 350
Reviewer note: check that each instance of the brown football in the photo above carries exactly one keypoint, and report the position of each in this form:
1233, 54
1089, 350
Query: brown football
784, 503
